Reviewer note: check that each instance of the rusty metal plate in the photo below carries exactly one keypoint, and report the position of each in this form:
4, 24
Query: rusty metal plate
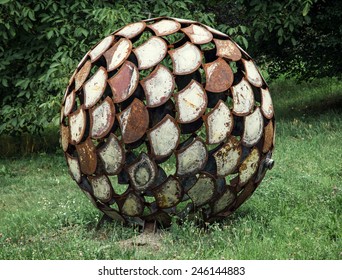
243, 98
191, 158
227, 49
125, 82
215, 31
131, 30
252, 73
77, 125
203, 190
165, 27
69, 103
95, 87
198, 34
87, 156
164, 137
133, 205
218, 123
82, 75
133, 121
266, 104
142, 173
65, 137
74, 167
249, 167
169, 193
228, 157
158, 86
117, 54
102, 187
112, 155
185, 59
191, 102
85, 57
268, 137
96, 52
150, 53
219, 76
102, 118
253, 128
225, 201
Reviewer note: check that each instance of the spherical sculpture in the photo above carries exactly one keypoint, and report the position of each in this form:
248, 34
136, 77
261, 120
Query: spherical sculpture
167, 117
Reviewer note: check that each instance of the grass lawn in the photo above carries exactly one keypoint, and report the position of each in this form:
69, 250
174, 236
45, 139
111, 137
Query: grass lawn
294, 214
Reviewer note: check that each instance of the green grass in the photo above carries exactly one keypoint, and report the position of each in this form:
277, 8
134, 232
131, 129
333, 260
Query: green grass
294, 214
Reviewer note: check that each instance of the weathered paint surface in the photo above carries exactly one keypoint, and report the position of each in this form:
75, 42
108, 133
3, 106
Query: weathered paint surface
117, 54
248, 167
142, 173
102, 187
219, 76
181, 20
198, 34
228, 157
226, 199
124, 83
164, 137
169, 193
219, 123
268, 137
85, 57
102, 118
266, 104
82, 75
65, 137
215, 31
158, 86
203, 191
252, 73
165, 27
186, 59
112, 155
253, 128
131, 30
227, 49
151, 52
243, 98
74, 167
192, 158
133, 205
77, 125
94, 87
69, 103
133, 121
87, 156
191, 102
101, 48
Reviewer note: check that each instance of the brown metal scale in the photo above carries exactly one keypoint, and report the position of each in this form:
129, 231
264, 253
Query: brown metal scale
167, 117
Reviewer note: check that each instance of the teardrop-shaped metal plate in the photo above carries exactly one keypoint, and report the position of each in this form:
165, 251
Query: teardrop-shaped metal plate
219, 76
69, 103
124, 83
191, 102
225, 201
218, 123
117, 54
249, 166
169, 193
253, 128
185, 59
87, 156
228, 157
74, 167
96, 52
191, 158
133, 121
82, 75
158, 86
77, 125
65, 137
243, 98
198, 34
151, 52
227, 49
102, 187
94, 87
112, 155
268, 137
131, 30
203, 190
102, 118
266, 104
133, 205
215, 31
252, 73
165, 27
164, 137
84, 58
142, 173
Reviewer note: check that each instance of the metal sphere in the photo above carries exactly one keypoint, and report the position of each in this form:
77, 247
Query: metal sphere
167, 117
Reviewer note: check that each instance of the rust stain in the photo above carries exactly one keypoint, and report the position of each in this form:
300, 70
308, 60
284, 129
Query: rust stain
219, 76
268, 137
227, 49
87, 156
82, 75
